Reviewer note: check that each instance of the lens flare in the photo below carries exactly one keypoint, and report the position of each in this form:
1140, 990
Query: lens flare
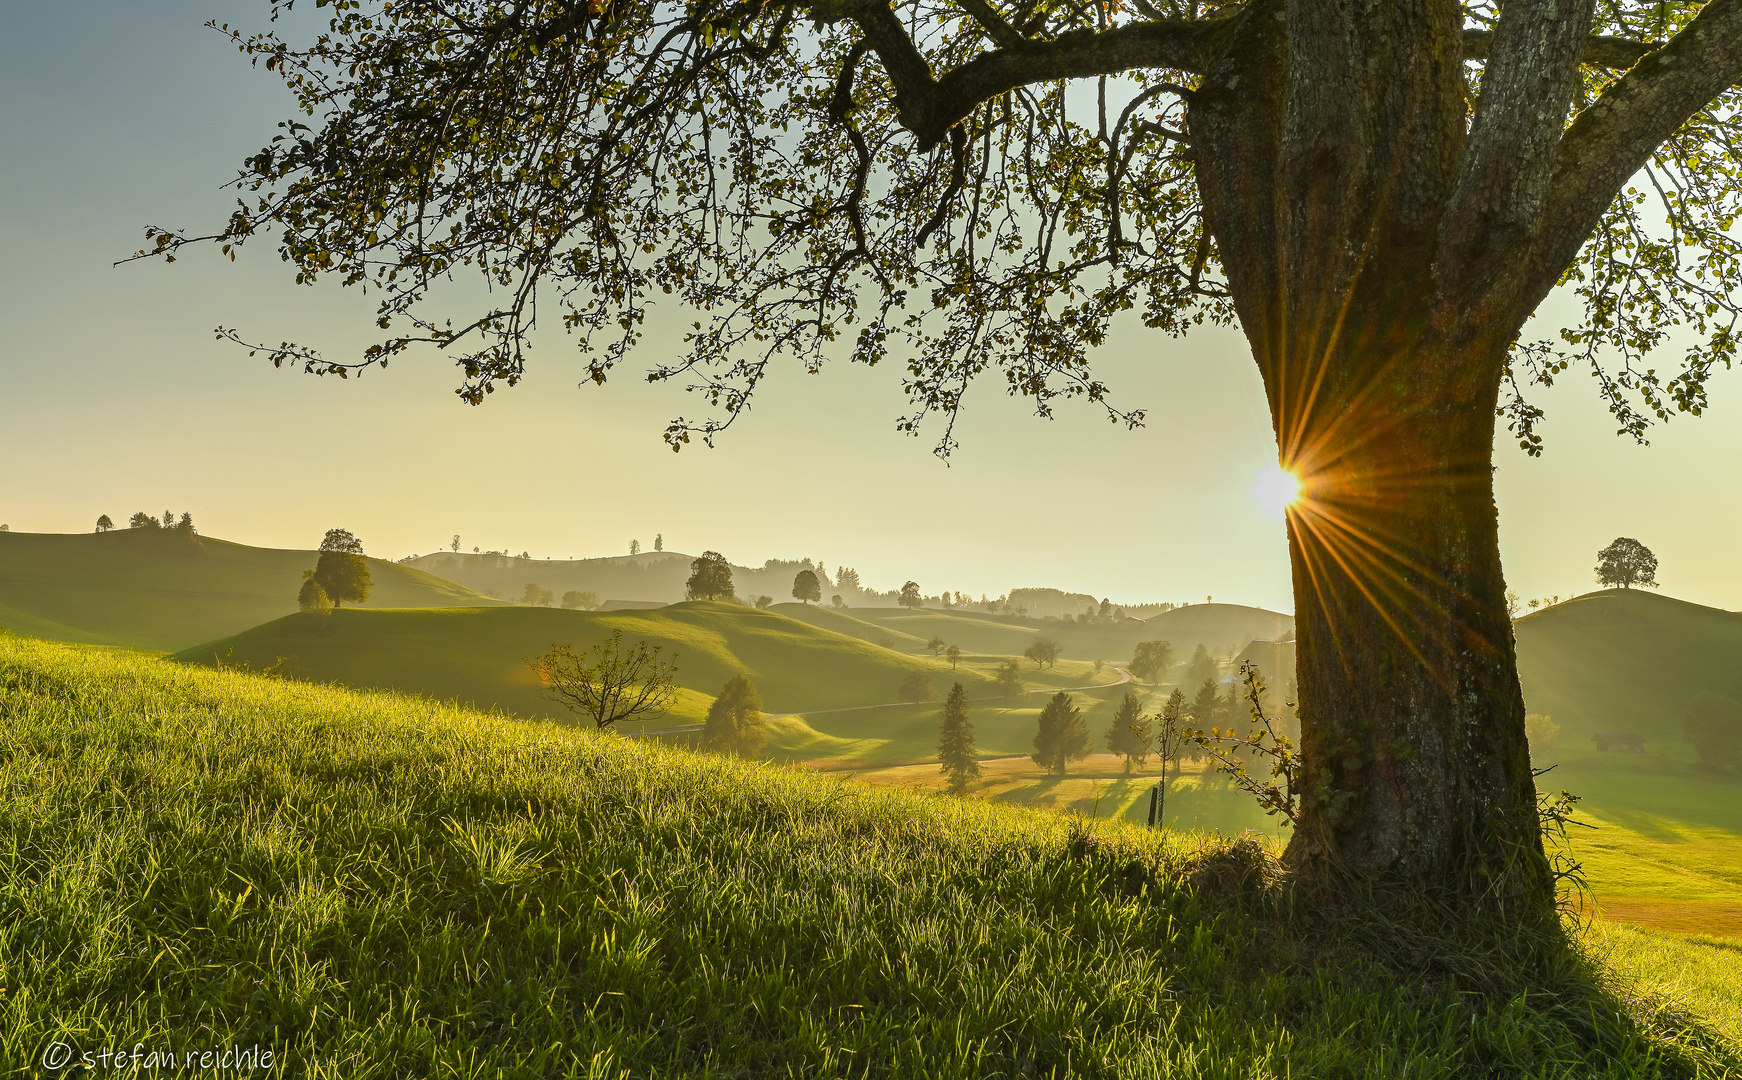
1277, 489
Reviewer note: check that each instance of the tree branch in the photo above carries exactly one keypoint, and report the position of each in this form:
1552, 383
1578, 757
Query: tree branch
1505, 169
929, 107
1599, 51
1002, 33
1615, 137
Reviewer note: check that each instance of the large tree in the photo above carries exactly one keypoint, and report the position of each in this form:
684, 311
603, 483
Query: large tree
710, 578
1627, 563
341, 571
1380, 194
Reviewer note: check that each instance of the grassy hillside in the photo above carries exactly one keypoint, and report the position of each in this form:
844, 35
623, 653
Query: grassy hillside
166, 590
1228, 626
1625, 660
477, 655
375, 886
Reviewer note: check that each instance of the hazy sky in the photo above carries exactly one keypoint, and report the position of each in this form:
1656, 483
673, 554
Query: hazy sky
116, 398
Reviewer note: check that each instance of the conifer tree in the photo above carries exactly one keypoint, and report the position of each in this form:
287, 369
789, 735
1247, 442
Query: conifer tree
956, 758
1063, 737
1128, 735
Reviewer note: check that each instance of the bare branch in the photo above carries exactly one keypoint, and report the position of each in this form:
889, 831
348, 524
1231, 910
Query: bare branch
1599, 50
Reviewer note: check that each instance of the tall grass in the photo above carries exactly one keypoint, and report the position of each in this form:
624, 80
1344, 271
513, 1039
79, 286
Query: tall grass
379, 886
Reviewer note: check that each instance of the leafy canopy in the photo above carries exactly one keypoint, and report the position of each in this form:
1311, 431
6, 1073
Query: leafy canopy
968, 185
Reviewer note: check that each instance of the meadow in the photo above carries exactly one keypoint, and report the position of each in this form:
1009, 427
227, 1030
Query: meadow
376, 885
167, 590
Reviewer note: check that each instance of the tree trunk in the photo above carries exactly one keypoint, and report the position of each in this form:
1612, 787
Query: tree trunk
1328, 149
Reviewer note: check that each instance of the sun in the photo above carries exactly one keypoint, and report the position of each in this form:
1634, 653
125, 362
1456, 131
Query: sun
1276, 489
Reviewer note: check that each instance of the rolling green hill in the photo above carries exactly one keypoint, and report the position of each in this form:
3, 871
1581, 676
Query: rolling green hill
373, 886
477, 655
167, 590
1625, 660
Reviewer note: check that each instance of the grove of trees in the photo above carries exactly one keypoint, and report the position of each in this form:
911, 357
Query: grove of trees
1380, 195
582, 599
1150, 660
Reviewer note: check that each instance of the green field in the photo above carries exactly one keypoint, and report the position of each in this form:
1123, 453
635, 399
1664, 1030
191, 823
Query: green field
167, 590
373, 885
477, 655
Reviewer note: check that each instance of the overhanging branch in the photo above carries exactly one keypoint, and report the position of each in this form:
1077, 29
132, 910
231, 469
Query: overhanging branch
1599, 51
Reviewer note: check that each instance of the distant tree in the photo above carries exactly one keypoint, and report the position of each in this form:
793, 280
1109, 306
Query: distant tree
1063, 737
764, 602
847, 579
311, 597
456, 544
1129, 733
104, 524
956, 759
342, 571
734, 723
186, 522
710, 578
616, 685
5, 528
535, 595
1207, 705
910, 597
659, 541
916, 687
1170, 740
1106, 611
835, 601
1627, 563
169, 519
634, 547
1513, 603
1203, 667
1044, 651
1713, 724
1150, 660
1008, 683
935, 646
581, 599
806, 587
954, 653
142, 520
1540, 731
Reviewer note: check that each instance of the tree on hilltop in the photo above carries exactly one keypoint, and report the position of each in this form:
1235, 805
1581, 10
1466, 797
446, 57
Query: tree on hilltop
581, 599
142, 520
806, 587
659, 541
104, 524
341, 570
710, 578
1380, 194
1627, 563
1128, 734
910, 597
734, 722
1063, 737
956, 757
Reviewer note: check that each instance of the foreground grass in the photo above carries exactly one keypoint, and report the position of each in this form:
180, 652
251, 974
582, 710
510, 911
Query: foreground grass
379, 886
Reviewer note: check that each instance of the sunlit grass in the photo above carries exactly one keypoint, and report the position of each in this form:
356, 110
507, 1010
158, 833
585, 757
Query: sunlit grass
381, 886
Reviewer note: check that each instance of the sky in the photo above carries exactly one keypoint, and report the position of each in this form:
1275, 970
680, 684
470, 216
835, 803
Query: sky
117, 398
